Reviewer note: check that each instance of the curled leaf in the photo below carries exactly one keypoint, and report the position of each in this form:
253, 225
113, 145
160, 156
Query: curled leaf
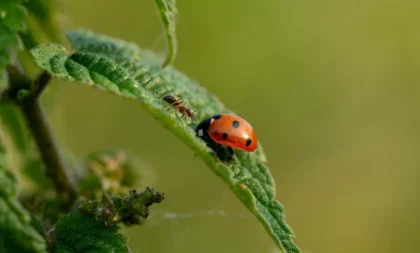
168, 13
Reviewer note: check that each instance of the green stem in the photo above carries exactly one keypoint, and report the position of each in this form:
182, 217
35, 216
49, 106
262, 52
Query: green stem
40, 129
54, 166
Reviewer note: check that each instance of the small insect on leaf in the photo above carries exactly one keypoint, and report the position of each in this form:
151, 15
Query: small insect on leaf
179, 104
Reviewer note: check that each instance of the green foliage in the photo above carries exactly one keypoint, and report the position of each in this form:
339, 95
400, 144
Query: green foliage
37, 225
43, 21
16, 232
11, 22
14, 126
123, 69
79, 232
130, 210
168, 14
33, 169
12, 15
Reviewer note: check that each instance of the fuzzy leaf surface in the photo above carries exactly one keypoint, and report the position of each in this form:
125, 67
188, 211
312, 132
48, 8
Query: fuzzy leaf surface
78, 232
125, 70
16, 232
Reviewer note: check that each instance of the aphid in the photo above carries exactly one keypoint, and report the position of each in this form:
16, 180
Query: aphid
227, 130
179, 104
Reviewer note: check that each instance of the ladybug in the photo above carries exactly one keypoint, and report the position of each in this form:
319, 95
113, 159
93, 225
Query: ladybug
227, 130
179, 104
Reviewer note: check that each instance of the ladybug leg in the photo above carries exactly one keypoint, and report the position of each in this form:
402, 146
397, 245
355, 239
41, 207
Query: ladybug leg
218, 151
212, 145
224, 153
216, 148
230, 157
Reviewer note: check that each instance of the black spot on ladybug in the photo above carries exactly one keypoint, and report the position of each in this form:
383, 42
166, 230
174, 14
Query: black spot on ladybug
248, 142
217, 116
235, 124
225, 135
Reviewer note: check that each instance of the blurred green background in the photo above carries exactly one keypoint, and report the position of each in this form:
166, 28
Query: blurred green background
332, 89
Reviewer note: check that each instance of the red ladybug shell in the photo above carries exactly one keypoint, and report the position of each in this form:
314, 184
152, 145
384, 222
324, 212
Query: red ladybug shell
233, 131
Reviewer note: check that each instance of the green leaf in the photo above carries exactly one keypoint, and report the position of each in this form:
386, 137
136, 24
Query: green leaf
12, 14
125, 70
16, 232
168, 14
80, 233
14, 125
37, 225
44, 204
44, 22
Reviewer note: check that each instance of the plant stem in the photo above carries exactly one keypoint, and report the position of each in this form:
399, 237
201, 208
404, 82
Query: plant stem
41, 83
40, 129
54, 166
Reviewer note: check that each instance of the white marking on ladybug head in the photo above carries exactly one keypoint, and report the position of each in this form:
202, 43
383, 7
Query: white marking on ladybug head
200, 132
211, 120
